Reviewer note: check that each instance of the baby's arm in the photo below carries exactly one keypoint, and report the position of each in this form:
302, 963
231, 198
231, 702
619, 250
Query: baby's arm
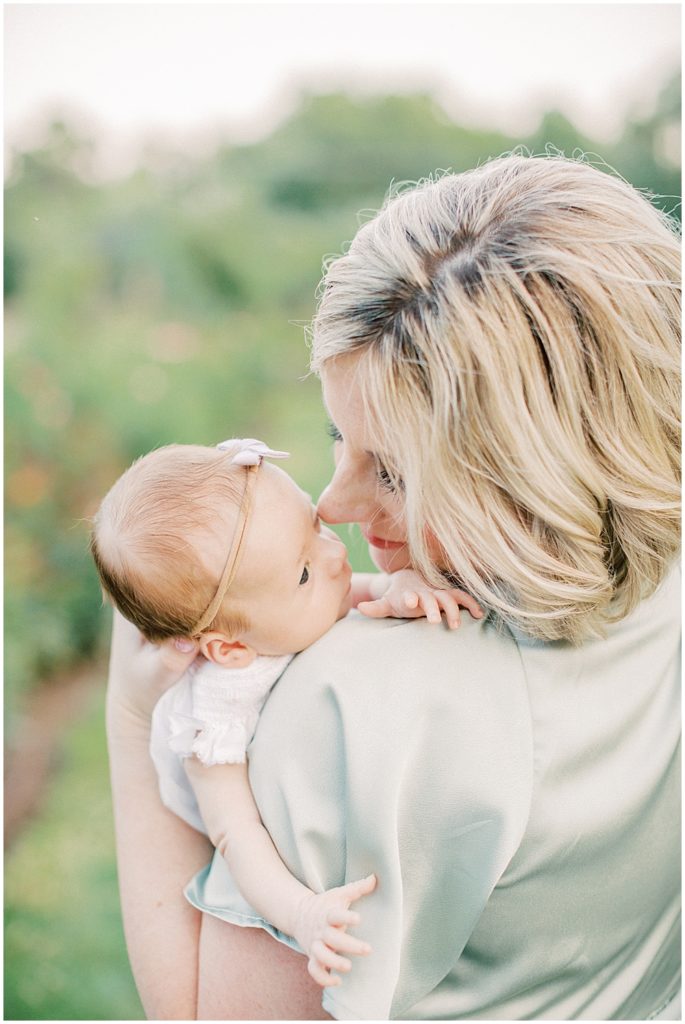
318, 921
405, 595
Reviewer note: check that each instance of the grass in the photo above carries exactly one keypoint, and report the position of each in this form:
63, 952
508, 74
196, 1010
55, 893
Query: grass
65, 957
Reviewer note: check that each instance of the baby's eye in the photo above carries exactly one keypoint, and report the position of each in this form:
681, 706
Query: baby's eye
305, 576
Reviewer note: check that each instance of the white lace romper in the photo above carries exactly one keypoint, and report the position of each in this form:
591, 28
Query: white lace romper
212, 713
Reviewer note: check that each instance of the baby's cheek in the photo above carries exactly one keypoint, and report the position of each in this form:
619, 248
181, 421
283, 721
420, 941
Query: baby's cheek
345, 607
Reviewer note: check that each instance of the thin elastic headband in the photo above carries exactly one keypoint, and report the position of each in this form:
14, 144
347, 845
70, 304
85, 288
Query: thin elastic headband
250, 454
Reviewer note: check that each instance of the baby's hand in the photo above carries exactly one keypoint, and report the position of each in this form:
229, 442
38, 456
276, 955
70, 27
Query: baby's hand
408, 597
321, 930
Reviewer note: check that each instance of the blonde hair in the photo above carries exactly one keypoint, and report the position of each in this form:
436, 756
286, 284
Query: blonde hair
518, 332
145, 534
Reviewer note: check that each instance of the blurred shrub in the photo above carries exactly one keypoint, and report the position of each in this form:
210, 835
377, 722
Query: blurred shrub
165, 308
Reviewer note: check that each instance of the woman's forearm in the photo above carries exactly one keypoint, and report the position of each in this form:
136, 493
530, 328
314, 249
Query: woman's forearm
186, 964
157, 854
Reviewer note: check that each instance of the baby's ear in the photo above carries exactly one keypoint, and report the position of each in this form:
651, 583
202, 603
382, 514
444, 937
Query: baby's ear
229, 653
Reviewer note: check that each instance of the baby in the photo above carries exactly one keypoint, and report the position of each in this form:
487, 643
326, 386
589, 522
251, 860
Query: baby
208, 543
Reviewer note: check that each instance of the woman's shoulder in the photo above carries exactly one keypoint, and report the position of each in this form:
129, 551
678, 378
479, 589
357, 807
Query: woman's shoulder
409, 655
392, 710
398, 681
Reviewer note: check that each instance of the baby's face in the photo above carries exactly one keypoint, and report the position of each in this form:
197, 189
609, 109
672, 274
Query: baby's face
293, 581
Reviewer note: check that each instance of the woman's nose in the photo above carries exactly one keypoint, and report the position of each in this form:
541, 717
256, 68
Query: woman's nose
345, 500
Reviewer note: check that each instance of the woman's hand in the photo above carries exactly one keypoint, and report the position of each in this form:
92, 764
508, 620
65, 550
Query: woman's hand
140, 672
409, 597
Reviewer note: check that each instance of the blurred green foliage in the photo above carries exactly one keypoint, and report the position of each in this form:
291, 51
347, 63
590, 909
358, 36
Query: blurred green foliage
169, 307
65, 957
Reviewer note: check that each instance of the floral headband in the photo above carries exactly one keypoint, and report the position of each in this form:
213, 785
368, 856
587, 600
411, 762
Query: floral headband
250, 454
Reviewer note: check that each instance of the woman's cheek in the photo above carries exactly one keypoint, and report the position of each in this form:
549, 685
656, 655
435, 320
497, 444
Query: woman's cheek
436, 552
390, 559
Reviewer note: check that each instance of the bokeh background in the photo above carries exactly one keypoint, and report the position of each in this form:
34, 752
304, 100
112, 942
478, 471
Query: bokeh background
174, 176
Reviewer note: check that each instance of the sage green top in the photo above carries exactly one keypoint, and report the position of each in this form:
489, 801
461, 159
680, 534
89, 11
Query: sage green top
519, 803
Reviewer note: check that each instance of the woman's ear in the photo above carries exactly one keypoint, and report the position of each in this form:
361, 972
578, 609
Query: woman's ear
229, 653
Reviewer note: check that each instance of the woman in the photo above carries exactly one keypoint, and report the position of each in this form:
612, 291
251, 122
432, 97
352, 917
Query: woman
498, 352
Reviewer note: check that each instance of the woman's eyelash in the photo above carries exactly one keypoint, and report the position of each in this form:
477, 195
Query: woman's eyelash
305, 576
384, 478
386, 481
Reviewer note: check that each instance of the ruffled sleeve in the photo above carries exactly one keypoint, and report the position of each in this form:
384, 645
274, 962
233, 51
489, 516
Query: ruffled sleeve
225, 708
211, 713
225, 743
174, 787
219, 736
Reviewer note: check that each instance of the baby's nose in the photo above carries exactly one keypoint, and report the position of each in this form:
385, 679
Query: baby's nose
337, 559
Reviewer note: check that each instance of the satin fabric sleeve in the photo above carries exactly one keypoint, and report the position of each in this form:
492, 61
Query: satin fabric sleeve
401, 748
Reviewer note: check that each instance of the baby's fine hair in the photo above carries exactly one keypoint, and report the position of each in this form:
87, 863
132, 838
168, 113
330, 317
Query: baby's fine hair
143, 537
518, 328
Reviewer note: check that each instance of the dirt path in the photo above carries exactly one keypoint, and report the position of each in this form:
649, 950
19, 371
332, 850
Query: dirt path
34, 751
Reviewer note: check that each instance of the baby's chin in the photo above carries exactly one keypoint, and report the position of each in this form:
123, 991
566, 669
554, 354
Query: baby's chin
345, 606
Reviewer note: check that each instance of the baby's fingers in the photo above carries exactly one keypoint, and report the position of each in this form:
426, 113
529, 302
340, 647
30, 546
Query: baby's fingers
355, 890
429, 603
342, 942
329, 958
449, 604
468, 602
320, 975
380, 609
341, 918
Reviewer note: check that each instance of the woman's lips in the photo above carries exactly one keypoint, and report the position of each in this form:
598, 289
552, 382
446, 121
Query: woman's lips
381, 542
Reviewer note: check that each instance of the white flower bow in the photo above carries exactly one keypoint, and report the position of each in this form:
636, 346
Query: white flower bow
251, 451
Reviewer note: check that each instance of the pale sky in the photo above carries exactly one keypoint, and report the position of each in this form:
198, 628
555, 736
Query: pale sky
180, 73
